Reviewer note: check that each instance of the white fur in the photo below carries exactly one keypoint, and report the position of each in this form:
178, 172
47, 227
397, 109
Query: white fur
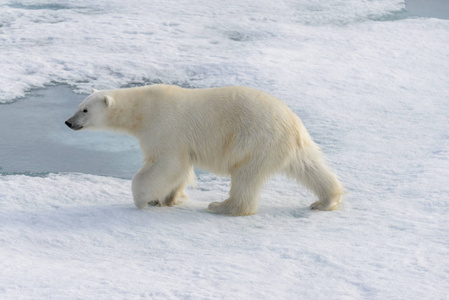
238, 131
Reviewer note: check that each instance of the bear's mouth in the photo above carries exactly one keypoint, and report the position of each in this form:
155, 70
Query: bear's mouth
73, 126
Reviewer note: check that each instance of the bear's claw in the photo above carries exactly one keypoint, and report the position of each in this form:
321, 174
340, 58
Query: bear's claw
318, 205
154, 203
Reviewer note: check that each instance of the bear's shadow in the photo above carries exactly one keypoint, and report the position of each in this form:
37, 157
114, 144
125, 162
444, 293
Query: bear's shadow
84, 217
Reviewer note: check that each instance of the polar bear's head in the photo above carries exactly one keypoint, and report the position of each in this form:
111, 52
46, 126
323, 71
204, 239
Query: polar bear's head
92, 112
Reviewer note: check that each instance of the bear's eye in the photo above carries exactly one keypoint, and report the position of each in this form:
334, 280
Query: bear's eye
85, 110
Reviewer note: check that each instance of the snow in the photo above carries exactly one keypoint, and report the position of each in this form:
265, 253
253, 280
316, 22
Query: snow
76, 235
113, 43
369, 82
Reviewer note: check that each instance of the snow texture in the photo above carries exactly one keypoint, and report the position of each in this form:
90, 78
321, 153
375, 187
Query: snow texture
370, 84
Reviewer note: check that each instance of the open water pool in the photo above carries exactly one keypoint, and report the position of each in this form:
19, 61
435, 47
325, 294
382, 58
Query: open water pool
35, 140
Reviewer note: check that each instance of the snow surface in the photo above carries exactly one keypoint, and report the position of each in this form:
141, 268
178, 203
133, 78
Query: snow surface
369, 83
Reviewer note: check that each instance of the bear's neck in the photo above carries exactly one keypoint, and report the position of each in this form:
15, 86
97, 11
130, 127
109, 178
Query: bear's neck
126, 116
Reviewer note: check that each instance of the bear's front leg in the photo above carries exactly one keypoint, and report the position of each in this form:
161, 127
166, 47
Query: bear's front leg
155, 182
174, 196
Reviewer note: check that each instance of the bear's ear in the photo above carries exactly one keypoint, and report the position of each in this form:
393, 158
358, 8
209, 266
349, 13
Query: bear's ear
110, 102
94, 90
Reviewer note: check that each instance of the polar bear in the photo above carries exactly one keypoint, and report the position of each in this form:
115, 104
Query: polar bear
237, 131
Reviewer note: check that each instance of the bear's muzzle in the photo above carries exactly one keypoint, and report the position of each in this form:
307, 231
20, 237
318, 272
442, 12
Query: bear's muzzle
72, 126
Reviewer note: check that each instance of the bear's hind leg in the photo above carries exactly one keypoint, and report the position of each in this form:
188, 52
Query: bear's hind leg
313, 173
246, 185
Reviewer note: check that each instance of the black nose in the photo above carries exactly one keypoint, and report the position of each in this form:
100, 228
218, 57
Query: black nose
68, 124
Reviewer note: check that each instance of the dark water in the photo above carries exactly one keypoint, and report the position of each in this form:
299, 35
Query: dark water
428, 8
35, 140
